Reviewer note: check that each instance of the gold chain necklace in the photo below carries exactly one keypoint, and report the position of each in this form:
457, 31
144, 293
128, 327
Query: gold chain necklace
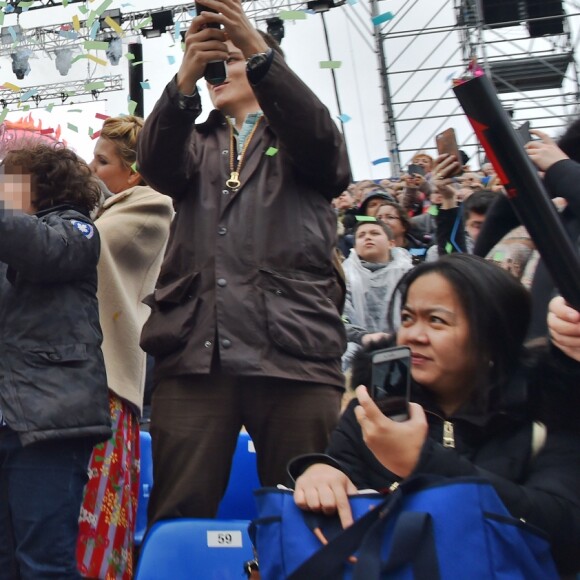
234, 181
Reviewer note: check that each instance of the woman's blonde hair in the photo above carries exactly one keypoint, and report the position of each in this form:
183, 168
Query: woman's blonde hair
123, 132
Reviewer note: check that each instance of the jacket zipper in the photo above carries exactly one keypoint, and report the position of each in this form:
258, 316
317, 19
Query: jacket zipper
448, 431
448, 434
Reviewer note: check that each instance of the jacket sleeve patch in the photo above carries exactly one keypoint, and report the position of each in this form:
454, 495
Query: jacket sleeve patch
86, 229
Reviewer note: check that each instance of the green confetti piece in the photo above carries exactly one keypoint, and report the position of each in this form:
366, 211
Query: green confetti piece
1, 18
26, 108
271, 151
95, 86
103, 7
25, 5
433, 210
83, 9
75, 111
143, 23
3, 114
91, 131
72, 127
131, 107
365, 218
330, 64
292, 15
448, 247
498, 256
65, 3
95, 45
134, 167
130, 56
50, 107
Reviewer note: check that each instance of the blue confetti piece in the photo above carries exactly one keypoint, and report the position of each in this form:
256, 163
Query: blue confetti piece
145, 85
170, 59
352, 2
384, 17
94, 29
344, 118
177, 31
12, 33
28, 94
381, 160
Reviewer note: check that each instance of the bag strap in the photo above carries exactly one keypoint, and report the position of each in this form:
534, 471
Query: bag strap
412, 542
330, 559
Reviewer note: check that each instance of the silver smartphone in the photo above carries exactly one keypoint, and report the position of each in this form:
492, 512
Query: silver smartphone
391, 381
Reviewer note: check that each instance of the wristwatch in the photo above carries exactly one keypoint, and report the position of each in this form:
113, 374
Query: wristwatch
257, 60
188, 102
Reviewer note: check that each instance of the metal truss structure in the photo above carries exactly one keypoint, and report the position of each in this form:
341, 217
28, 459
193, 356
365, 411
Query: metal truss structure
414, 63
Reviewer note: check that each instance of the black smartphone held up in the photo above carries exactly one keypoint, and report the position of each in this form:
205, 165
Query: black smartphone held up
391, 381
415, 169
215, 72
523, 132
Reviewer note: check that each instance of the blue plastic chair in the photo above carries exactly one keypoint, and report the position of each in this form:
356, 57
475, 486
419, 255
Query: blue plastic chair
145, 484
184, 549
238, 502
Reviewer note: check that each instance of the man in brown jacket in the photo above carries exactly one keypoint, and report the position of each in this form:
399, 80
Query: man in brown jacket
245, 325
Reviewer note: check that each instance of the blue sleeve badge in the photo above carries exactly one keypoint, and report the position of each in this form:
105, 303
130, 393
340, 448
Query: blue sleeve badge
86, 229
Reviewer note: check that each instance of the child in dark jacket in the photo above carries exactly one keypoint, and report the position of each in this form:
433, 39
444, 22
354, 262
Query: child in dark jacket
53, 388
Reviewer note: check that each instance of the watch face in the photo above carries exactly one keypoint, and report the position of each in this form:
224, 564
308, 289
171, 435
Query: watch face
256, 60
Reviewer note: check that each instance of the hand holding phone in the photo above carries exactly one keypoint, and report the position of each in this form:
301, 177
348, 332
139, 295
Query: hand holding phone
391, 381
215, 72
447, 145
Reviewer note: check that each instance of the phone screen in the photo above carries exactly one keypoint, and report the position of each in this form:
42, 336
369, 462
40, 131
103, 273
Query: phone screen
523, 132
416, 169
391, 381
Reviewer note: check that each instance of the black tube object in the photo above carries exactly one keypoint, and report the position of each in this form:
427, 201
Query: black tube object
520, 178
136, 78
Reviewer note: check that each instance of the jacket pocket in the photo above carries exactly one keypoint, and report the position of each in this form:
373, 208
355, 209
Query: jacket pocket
173, 310
60, 354
301, 317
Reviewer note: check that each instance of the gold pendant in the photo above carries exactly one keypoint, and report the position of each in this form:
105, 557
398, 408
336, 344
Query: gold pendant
234, 181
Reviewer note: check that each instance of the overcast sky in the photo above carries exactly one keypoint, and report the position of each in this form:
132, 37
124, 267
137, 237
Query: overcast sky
351, 43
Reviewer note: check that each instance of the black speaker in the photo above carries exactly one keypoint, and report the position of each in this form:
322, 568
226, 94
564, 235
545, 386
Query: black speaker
496, 13
543, 9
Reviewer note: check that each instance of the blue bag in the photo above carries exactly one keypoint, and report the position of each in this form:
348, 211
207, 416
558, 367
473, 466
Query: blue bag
448, 529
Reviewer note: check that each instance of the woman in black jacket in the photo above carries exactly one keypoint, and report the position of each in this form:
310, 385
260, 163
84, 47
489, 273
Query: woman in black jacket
477, 394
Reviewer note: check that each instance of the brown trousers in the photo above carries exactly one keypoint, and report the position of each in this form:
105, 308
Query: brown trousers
195, 422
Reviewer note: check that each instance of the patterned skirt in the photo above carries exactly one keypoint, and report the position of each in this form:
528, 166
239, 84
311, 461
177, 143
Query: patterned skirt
107, 518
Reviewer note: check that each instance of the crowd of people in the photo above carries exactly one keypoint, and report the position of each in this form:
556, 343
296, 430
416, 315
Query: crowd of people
240, 257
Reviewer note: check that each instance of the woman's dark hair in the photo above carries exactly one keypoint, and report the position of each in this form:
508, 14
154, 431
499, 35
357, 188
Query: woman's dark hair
58, 175
497, 308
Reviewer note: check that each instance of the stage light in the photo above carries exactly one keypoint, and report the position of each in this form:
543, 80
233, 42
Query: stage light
324, 5
115, 50
10, 34
63, 60
160, 22
20, 64
114, 14
276, 28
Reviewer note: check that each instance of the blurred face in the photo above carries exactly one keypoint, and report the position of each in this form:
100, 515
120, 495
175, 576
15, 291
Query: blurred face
372, 206
108, 166
389, 215
435, 327
423, 161
236, 93
344, 200
473, 224
16, 192
372, 243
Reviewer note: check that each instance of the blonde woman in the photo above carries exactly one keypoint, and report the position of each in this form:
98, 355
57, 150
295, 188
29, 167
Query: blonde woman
134, 226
